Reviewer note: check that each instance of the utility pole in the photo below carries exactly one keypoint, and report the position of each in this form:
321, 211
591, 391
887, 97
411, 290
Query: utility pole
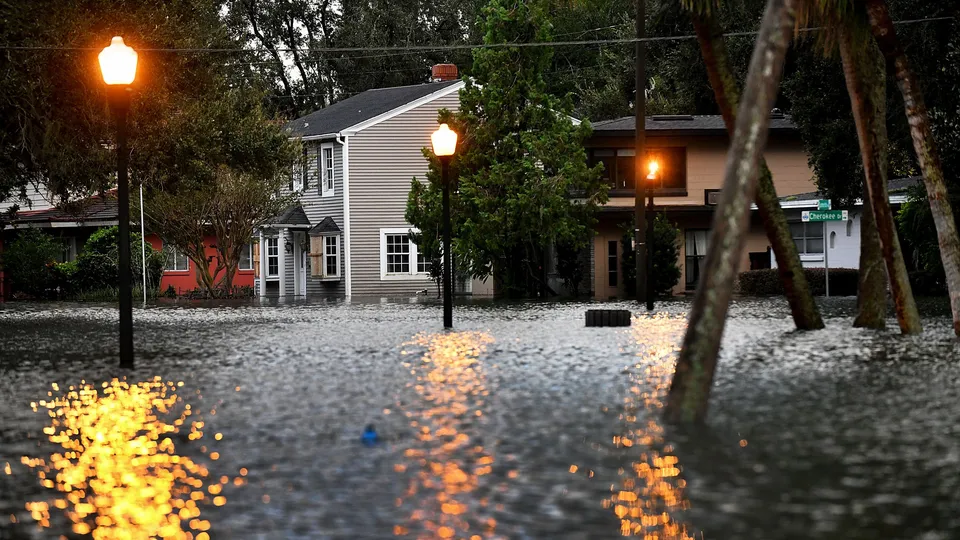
639, 107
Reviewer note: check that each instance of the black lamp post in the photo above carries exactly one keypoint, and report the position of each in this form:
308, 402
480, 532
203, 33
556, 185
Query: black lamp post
653, 167
444, 146
118, 64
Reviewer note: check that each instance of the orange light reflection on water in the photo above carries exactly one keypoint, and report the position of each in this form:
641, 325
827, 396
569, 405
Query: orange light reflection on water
447, 464
119, 475
651, 491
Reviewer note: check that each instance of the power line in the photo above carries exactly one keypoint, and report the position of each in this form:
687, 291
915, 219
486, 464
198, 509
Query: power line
408, 48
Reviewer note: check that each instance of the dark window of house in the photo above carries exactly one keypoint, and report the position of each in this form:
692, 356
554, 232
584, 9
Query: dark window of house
808, 237
608, 159
626, 169
696, 252
672, 174
612, 262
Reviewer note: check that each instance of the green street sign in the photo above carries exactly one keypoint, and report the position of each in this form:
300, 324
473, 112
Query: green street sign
824, 204
824, 215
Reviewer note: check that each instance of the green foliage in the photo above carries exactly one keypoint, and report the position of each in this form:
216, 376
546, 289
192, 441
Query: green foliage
29, 262
523, 182
573, 267
843, 282
666, 257
97, 266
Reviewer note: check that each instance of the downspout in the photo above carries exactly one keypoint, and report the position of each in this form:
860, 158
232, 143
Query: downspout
344, 141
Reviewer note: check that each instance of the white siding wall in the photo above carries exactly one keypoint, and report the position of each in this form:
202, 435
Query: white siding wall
845, 252
317, 208
383, 161
36, 200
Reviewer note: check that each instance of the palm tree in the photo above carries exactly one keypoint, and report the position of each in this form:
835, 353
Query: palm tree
866, 84
924, 145
806, 315
690, 389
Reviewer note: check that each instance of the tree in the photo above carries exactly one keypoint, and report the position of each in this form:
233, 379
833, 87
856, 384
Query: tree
690, 388
29, 261
523, 178
863, 70
806, 315
925, 147
666, 256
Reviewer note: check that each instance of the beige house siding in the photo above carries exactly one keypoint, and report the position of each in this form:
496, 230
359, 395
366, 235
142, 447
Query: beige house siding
384, 159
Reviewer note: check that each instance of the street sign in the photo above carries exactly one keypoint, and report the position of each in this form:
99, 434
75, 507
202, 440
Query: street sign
824, 215
824, 204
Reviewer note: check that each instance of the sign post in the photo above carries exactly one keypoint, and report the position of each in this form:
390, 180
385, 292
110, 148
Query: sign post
825, 214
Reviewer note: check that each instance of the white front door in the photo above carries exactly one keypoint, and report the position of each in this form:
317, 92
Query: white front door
300, 263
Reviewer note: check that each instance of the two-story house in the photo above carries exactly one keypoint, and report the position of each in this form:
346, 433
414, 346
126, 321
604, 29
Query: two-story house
348, 236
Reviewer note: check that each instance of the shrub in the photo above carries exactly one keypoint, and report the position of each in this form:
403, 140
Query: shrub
843, 282
97, 264
29, 262
666, 254
928, 283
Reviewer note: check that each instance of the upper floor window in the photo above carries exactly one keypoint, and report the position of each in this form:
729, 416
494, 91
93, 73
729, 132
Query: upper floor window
619, 168
176, 261
808, 237
298, 179
325, 164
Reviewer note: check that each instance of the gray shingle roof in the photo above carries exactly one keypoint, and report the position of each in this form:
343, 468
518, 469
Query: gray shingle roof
293, 215
360, 108
681, 124
328, 225
897, 186
97, 208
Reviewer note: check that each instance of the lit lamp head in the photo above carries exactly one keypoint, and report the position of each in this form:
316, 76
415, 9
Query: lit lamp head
118, 63
652, 169
444, 141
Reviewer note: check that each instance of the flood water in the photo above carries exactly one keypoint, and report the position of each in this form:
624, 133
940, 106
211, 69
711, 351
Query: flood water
246, 421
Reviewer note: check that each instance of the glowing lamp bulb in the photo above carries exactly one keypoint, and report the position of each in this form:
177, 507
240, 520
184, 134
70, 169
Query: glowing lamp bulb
653, 167
444, 141
118, 63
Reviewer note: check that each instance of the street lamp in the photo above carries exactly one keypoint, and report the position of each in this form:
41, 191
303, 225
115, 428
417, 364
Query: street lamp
444, 142
118, 64
653, 169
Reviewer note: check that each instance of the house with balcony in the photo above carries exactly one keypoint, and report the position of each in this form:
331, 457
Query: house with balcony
692, 151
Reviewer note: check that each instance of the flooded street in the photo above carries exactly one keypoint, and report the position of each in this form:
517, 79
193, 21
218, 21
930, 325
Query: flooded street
247, 422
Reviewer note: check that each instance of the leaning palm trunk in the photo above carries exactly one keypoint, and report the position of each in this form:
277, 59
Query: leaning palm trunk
690, 389
866, 84
925, 147
806, 315
872, 283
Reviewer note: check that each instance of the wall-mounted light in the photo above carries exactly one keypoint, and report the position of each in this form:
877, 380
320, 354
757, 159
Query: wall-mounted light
288, 246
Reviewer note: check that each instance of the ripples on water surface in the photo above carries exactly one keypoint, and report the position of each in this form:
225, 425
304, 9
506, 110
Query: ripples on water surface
245, 422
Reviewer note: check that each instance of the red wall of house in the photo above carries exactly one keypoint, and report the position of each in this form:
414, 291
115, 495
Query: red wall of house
187, 281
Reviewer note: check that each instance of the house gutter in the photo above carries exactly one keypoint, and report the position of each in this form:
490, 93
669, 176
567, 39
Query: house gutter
344, 141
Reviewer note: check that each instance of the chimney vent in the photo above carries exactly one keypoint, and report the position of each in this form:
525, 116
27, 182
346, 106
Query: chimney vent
444, 72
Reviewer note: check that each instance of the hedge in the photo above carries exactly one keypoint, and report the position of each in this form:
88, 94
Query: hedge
843, 282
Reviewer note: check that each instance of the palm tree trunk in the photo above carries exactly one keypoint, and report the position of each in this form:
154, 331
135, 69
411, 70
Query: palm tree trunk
806, 315
871, 287
925, 147
690, 389
866, 84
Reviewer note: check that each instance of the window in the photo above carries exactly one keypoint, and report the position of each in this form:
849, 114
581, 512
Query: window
298, 180
273, 257
176, 261
246, 257
399, 257
331, 256
68, 251
398, 254
808, 237
325, 164
609, 161
619, 169
672, 175
612, 263
626, 169
423, 265
696, 253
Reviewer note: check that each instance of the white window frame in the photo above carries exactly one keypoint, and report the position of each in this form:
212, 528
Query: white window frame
804, 255
412, 275
327, 170
325, 256
250, 250
267, 256
170, 249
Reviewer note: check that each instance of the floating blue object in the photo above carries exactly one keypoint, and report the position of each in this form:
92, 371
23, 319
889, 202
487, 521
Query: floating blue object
369, 437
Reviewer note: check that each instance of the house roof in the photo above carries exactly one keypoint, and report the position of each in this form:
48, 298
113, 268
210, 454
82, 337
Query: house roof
898, 186
328, 225
360, 108
293, 216
682, 124
96, 208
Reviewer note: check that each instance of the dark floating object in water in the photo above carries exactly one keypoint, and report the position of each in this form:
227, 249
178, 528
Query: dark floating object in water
608, 317
369, 437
